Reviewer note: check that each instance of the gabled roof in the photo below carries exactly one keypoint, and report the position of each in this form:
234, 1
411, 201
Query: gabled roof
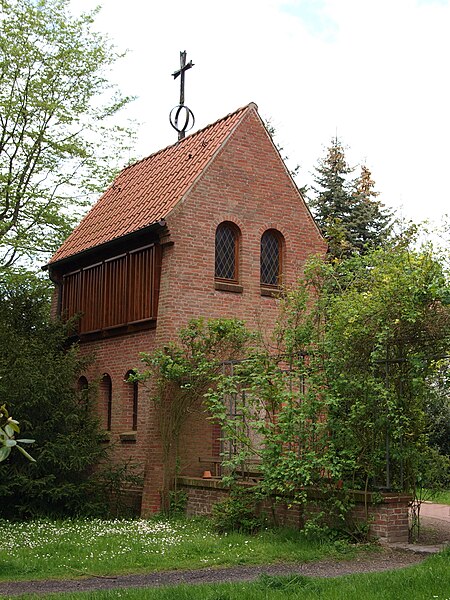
145, 192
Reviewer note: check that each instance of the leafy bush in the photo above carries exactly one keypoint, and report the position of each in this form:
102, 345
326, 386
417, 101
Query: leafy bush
342, 402
238, 512
177, 502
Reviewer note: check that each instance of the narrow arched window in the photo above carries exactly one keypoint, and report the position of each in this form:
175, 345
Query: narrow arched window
271, 258
133, 400
106, 401
83, 391
82, 384
227, 249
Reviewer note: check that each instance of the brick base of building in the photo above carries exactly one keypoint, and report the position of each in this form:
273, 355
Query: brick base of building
387, 513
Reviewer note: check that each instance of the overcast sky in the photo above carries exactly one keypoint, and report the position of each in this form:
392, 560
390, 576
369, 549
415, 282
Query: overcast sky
376, 72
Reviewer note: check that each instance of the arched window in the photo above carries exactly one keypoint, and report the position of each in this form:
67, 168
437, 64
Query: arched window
227, 252
106, 401
82, 384
271, 258
83, 391
134, 400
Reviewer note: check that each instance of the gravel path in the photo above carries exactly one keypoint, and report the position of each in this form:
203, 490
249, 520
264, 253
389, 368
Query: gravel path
381, 561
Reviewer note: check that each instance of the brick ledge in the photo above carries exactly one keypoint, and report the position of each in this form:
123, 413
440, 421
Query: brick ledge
357, 495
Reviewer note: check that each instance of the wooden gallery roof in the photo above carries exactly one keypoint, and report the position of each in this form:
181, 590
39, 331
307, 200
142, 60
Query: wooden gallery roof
144, 193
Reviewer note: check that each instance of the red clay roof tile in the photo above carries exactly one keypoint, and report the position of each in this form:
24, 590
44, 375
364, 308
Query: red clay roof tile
145, 192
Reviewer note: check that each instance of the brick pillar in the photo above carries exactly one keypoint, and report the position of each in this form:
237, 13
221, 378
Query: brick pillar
390, 519
151, 495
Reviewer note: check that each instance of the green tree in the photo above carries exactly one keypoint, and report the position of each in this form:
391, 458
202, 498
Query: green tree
346, 209
388, 324
346, 396
370, 222
438, 408
57, 138
38, 374
333, 201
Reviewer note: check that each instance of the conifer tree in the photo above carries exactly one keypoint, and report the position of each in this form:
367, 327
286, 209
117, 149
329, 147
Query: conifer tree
370, 220
347, 210
334, 200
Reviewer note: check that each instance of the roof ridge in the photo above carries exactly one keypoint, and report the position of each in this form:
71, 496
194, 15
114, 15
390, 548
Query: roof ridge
190, 136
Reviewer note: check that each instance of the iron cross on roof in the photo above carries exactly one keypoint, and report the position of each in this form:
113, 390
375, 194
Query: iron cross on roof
181, 71
180, 112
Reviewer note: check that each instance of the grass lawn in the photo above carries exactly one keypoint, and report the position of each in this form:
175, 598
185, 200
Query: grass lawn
43, 549
442, 497
427, 581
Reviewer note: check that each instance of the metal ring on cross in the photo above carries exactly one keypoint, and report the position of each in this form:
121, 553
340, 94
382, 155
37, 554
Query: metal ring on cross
184, 115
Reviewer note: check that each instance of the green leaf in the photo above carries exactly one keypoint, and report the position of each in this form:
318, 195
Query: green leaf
25, 453
4, 453
9, 430
14, 426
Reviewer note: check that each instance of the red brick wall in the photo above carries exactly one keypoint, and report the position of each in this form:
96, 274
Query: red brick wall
116, 356
195, 441
246, 183
388, 518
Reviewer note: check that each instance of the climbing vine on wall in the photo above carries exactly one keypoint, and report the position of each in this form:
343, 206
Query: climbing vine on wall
178, 376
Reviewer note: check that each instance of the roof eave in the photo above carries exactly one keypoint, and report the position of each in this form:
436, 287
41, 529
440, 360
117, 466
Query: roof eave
109, 244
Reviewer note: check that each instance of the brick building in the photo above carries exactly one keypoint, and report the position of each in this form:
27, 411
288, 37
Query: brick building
211, 227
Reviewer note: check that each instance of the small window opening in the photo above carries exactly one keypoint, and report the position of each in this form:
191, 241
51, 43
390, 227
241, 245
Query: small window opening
226, 255
271, 258
83, 391
135, 400
106, 401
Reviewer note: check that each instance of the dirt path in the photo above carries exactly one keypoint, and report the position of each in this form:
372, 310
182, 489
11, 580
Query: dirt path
370, 562
435, 524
